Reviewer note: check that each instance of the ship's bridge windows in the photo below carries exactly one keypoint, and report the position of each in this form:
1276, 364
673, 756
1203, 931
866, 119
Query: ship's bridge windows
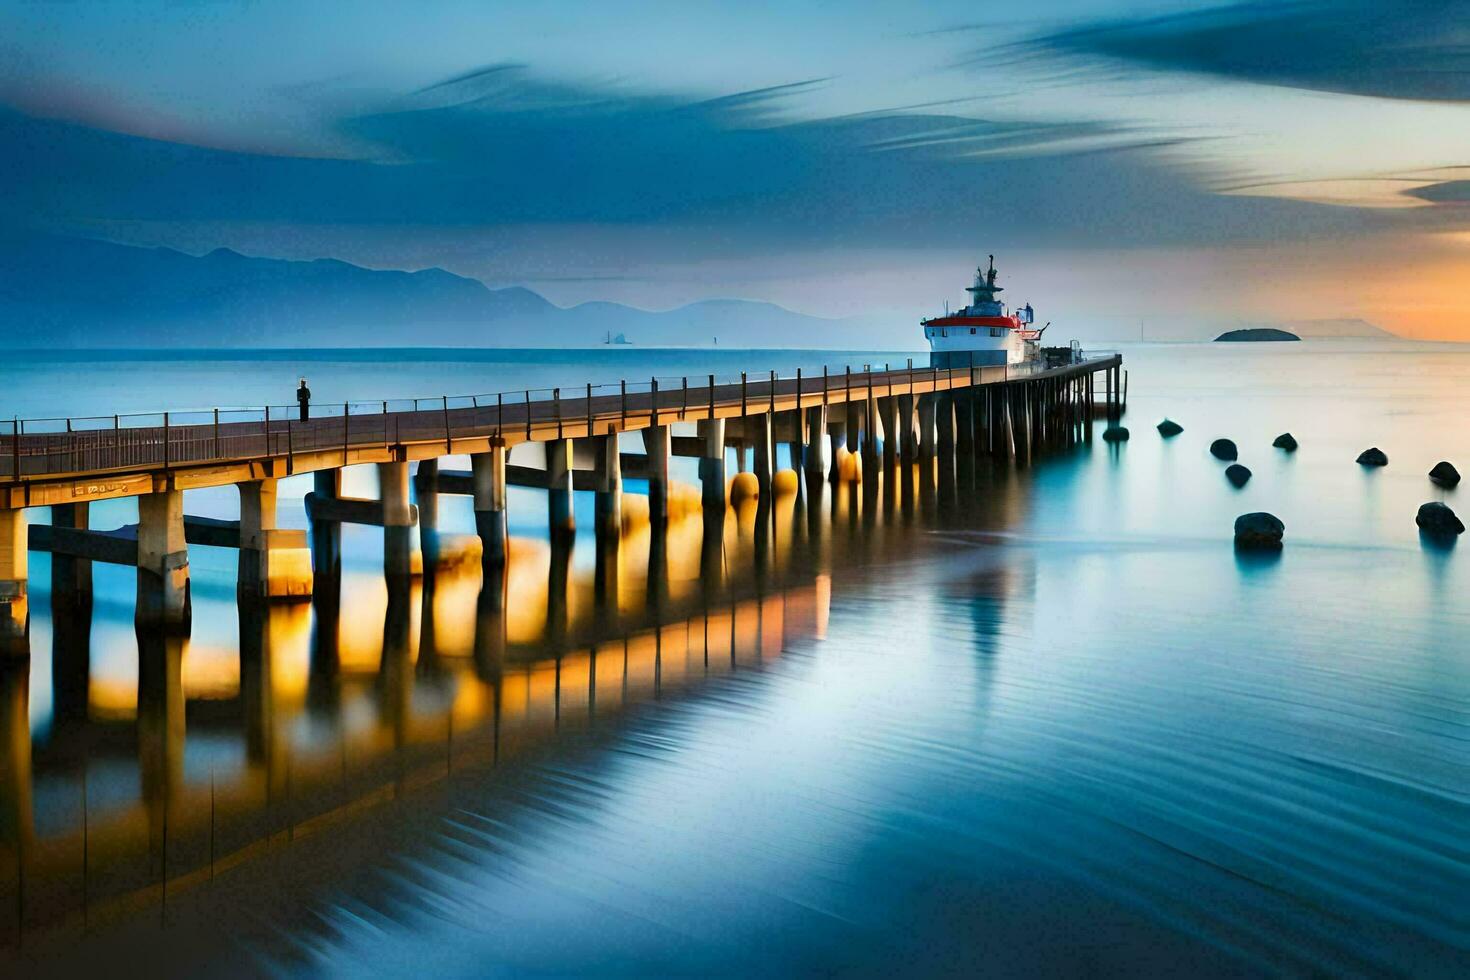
996, 331
943, 332
972, 331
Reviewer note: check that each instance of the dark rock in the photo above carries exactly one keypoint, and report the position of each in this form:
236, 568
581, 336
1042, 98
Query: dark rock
1224, 449
1116, 434
1373, 457
1445, 474
1237, 475
1285, 441
1436, 519
1169, 427
1258, 532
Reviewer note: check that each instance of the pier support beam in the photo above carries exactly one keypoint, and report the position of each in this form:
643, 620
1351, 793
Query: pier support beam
712, 462
658, 446
398, 520
759, 426
163, 561
488, 475
14, 612
559, 489
908, 434
71, 577
326, 535
608, 473
814, 456
892, 436
426, 496
274, 563
964, 422
926, 447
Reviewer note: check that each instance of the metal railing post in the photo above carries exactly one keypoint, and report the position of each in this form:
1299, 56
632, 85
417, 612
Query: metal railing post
165, 440
216, 433
684, 405
15, 449
346, 429
589, 410
528, 413
266, 431
712, 396
386, 443
798, 397
556, 408
773, 395
499, 408
742, 394
448, 434
623, 404
653, 401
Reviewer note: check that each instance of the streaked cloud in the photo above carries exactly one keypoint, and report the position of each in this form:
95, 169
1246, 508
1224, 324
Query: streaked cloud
1397, 49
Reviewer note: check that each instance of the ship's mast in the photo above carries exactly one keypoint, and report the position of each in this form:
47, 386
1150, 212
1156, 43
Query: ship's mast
985, 288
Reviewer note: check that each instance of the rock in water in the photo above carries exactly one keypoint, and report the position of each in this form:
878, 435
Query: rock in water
1258, 532
1436, 519
1224, 449
1237, 475
1169, 427
1445, 474
1373, 457
1285, 441
1116, 434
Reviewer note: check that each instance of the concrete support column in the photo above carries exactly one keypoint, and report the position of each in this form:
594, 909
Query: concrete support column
426, 495
326, 536
71, 577
559, 456
712, 462
397, 520
872, 435
608, 473
658, 445
888, 414
487, 470
908, 433
274, 563
163, 560
14, 611
765, 457
964, 421
944, 426
814, 456
926, 446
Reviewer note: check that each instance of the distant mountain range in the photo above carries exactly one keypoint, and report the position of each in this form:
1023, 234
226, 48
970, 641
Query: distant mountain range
74, 292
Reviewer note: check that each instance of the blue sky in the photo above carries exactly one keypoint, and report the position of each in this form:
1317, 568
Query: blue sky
1124, 159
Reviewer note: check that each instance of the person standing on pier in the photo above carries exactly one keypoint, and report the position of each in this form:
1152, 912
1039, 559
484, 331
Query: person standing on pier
303, 397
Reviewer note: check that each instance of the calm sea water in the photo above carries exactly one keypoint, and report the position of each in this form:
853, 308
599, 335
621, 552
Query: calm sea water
1022, 721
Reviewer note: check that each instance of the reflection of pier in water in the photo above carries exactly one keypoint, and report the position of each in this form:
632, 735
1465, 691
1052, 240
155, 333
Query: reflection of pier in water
326, 720
385, 683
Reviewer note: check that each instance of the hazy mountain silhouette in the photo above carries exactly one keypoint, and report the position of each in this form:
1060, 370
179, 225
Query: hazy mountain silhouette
72, 292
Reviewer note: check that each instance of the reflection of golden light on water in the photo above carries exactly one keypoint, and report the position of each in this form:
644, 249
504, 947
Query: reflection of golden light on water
823, 589
527, 564
289, 635
455, 593
210, 672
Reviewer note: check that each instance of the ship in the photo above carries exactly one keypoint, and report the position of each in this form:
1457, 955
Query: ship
984, 333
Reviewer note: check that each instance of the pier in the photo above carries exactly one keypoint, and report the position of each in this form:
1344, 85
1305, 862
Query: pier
838, 427
457, 665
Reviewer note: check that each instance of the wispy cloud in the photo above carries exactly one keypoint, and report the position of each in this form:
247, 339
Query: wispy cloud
1398, 49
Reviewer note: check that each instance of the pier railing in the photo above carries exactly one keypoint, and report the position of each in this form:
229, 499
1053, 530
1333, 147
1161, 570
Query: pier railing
43, 447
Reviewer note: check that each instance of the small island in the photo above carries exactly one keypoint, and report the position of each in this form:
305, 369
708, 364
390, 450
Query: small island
1256, 334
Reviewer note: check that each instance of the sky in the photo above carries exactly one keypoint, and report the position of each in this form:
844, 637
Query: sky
1125, 162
